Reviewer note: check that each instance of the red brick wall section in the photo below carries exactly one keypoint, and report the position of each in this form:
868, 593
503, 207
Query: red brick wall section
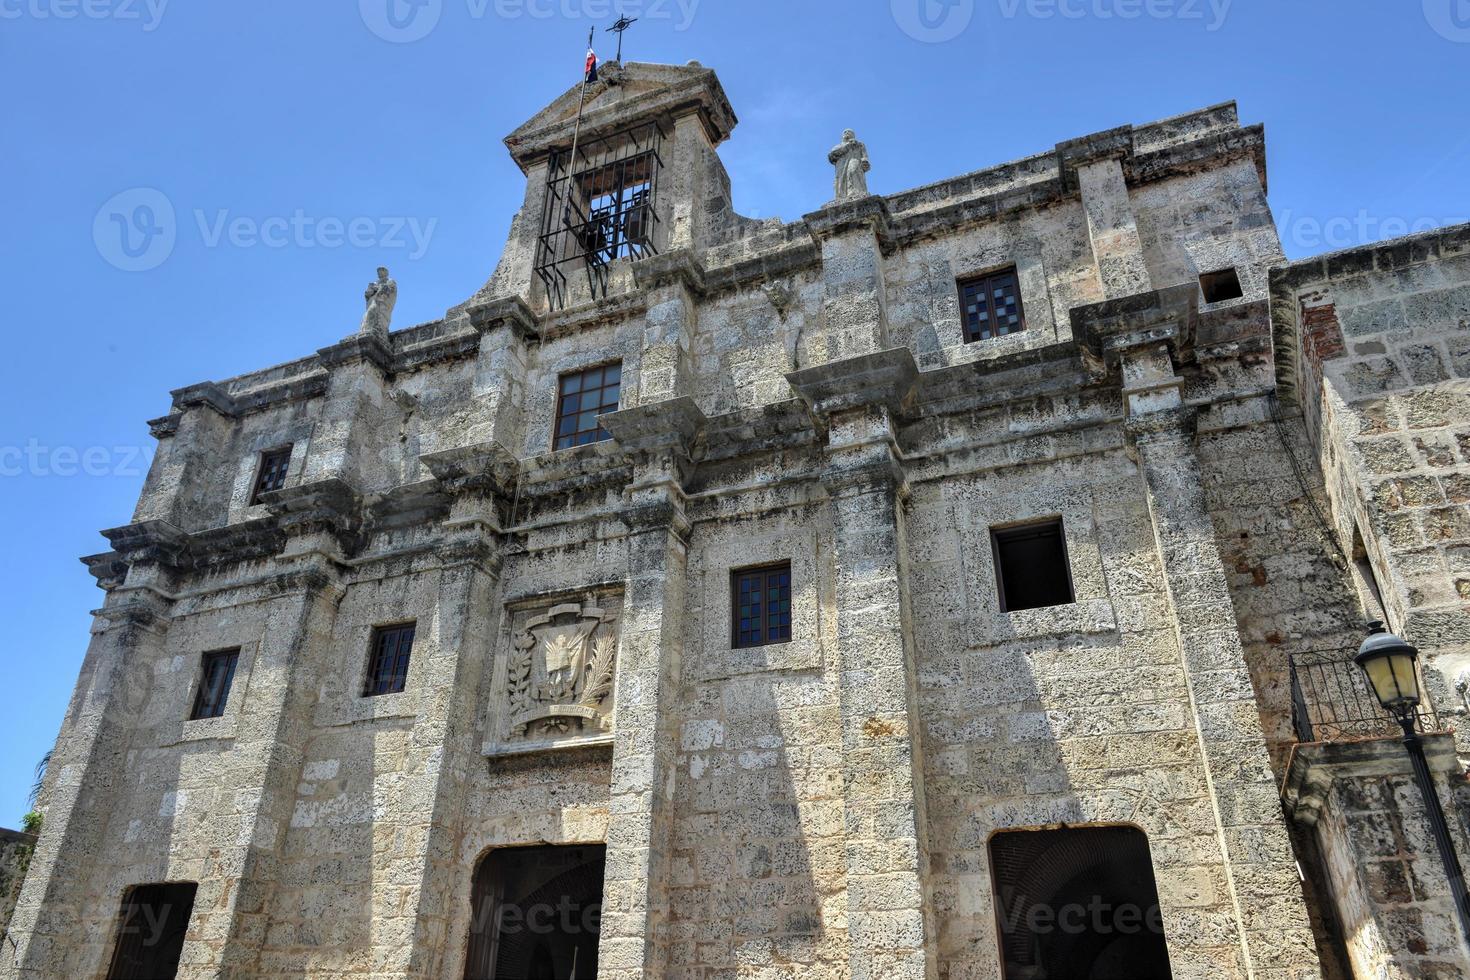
1321, 337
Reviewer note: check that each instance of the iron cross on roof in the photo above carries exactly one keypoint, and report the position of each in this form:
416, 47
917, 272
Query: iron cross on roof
622, 25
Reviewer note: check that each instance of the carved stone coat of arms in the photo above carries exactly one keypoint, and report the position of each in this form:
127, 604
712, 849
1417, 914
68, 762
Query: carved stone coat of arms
560, 672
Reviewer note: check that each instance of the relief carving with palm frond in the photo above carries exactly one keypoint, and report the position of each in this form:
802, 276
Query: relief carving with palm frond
560, 673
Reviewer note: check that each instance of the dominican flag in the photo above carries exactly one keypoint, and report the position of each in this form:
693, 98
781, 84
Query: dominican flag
591, 73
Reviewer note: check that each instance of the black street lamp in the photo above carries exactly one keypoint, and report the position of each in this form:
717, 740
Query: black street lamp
1391, 666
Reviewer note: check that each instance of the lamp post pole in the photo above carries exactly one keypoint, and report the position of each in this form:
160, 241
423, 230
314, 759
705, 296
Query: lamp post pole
1437, 824
1392, 669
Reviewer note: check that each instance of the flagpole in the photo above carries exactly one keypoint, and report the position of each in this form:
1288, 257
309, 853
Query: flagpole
576, 133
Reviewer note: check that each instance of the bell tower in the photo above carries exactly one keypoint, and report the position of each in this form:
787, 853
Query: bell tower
638, 177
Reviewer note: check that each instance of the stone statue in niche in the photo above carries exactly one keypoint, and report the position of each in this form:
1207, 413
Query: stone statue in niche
559, 679
381, 296
850, 157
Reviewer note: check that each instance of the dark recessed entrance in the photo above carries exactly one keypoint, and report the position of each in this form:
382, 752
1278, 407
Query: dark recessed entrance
1078, 904
151, 928
537, 912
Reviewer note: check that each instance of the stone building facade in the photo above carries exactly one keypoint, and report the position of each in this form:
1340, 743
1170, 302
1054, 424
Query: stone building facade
951, 585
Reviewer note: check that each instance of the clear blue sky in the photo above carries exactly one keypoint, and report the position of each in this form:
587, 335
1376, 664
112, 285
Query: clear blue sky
300, 117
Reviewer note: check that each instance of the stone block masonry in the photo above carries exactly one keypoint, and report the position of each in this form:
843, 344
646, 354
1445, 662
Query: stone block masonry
806, 778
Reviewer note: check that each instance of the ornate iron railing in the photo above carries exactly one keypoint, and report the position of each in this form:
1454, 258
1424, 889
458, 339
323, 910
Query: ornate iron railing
1331, 701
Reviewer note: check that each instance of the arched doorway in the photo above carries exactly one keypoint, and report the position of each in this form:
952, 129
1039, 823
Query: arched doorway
536, 913
1078, 904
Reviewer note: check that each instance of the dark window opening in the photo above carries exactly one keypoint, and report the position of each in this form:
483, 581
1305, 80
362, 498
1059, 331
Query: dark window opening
1221, 286
388, 662
272, 474
150, 932
760, 606
214, 684
536, 913
1031, 566
991, 306
1079, 902
583, 396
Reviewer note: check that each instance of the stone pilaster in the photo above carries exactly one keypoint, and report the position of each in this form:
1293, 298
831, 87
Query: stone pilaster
1274, 933
265, 762
1094, 164
446, 737
346, 433
854, 300
674, 283
890, 924
505, 327
661, 439
60, 928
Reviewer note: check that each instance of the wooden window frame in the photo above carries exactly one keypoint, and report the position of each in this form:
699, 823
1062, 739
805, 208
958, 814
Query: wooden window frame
271, 472
766, 638
380, 681
574, 438
213, 695
999, 534
984, 283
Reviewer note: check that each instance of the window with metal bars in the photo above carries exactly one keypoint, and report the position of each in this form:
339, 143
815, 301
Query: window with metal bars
214, 684
150, 932
272, 474
388, 660
583, 396
990, 306
760, 606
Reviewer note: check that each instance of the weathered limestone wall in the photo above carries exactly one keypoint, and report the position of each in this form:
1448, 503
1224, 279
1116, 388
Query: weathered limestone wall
15, 857
1379, 358
820, 808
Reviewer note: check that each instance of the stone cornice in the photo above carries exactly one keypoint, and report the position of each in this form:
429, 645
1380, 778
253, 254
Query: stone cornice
1110, 144
1159, 316
327, 505
671, 91
887, 379
486, 467
1316, 766
677, 268
358, 349
840, 217
507, 312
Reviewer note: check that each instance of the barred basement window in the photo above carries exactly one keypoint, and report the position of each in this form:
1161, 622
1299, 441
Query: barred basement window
990, 306
1078, 902
1221, 286
760, 600
150, 932
272, 473
214, 684
1031, 566
388, 661
581, 397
